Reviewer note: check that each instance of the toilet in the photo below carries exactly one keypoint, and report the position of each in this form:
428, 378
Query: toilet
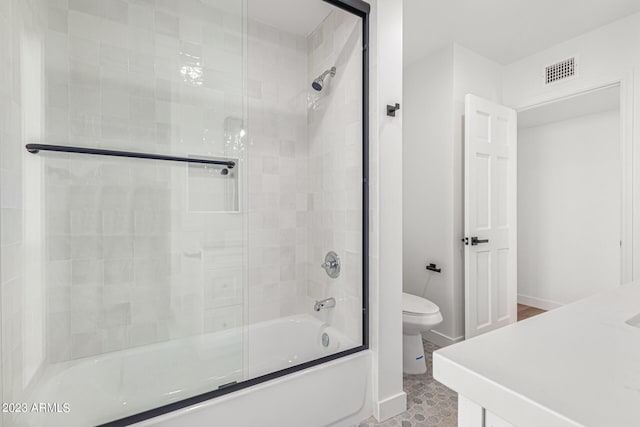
418, 315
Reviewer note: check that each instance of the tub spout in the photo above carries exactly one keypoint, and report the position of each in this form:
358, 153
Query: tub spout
325, 303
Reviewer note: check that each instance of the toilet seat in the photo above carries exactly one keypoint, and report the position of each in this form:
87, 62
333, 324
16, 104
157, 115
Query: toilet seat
417, 306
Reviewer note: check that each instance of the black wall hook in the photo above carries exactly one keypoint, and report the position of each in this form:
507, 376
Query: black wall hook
391, 109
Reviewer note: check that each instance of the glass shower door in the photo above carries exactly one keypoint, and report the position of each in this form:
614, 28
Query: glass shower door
130, 207
305, 155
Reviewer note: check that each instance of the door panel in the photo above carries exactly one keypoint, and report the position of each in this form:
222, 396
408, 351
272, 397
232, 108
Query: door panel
483, 288
490, 216
502, 177
483, 194
502, 279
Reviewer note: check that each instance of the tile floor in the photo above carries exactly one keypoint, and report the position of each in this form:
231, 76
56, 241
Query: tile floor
430, 404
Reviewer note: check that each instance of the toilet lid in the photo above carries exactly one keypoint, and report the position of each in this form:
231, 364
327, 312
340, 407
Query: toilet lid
416, 305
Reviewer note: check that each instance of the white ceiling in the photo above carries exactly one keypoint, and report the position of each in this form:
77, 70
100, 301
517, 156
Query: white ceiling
503, 30
292, 16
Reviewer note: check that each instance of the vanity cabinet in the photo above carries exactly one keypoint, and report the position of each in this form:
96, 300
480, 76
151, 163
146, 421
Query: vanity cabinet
470, 414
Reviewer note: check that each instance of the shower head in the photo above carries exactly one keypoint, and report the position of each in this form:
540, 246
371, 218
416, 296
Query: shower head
318, 83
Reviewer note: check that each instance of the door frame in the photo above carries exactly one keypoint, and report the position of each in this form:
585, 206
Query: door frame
627, 169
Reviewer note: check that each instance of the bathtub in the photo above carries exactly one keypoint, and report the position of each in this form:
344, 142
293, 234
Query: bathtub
102, 388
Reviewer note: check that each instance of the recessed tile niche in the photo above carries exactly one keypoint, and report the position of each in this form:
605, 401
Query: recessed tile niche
209, 189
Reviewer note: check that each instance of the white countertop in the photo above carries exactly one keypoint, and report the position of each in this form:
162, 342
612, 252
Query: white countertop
576, 365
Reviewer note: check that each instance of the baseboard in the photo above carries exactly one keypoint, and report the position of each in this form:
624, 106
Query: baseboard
542, 304
391, 406
440, 339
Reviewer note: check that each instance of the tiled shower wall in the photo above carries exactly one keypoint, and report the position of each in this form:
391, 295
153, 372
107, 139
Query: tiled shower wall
305, 155
129, 261
278, 197
335, 168
20, 117
133, 255
139, 251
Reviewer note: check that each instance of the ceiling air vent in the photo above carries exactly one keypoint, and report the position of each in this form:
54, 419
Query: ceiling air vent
560, 70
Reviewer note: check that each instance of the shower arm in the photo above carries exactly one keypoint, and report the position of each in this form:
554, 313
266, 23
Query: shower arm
331, 71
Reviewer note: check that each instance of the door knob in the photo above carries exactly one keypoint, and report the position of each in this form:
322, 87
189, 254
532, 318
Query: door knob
475, 241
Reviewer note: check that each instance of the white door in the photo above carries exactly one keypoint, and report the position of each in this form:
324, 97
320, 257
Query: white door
490, 216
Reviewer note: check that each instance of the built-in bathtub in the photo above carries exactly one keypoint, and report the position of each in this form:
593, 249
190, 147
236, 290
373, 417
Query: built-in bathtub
114, 385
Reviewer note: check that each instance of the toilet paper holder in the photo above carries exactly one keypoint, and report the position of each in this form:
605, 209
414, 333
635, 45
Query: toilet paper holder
434, 267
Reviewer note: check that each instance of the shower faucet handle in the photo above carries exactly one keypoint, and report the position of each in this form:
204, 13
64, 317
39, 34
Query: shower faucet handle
331, 264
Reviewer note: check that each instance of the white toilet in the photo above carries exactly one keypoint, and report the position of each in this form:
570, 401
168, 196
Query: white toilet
418, 315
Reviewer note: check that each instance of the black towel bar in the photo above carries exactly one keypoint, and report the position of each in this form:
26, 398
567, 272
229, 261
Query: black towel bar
35, 148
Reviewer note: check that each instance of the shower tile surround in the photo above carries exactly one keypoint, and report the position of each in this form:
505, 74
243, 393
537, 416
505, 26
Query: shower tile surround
309, 199
335, 168
127, 262
131, 259
277, 173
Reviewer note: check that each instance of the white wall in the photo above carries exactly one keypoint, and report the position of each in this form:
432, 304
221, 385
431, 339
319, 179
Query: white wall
433, 176
386, 209
428, 181
606, 55
568, 209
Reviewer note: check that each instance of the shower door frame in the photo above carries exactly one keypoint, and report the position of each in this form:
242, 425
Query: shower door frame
362, 10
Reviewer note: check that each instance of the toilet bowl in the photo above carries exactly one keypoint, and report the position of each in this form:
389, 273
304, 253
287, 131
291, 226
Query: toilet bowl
418, 316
